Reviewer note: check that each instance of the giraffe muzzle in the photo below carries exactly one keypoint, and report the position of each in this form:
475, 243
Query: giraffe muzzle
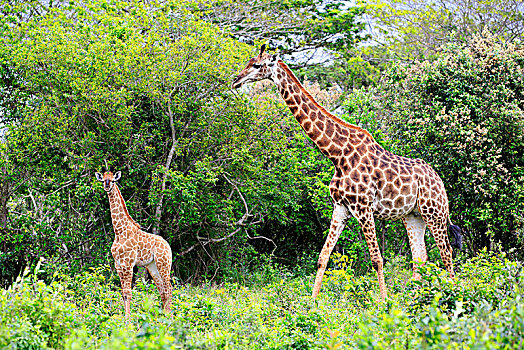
236, 83
107, 185
241, 79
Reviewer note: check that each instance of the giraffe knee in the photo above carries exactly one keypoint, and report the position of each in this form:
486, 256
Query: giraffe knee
126, 294
321, 264
377, 262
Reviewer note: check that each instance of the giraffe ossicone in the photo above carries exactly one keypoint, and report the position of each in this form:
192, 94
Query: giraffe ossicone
369, 182
132, 246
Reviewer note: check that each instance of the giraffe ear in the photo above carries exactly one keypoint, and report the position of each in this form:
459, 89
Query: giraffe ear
262, 49
274, 57
99, 176
117, 176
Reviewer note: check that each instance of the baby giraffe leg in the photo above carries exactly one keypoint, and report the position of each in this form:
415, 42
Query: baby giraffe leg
157, 278
168, 288
163, 262
126, 277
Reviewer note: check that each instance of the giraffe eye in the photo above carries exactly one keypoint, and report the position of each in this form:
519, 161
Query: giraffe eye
256, 65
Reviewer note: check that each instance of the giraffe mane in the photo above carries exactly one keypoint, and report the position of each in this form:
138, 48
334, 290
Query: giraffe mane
322, 109
125, 208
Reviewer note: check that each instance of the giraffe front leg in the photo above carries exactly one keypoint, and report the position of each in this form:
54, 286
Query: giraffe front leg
338, 220
367, 222
126, 278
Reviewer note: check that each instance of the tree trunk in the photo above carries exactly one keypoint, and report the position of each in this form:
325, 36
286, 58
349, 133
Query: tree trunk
169, 160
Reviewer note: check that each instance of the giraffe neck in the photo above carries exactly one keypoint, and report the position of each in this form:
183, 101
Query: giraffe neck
122, 221
327, 131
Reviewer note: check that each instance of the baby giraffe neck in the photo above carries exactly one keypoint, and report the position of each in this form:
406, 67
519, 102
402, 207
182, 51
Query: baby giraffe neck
119, 214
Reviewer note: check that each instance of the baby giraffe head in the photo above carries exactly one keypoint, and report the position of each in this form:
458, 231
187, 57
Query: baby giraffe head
108, 179
258, 68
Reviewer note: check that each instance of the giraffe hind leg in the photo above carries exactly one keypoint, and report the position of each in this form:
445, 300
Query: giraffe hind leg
164, 261
155, 274
160, 274
168, 289
416, 228
438, 228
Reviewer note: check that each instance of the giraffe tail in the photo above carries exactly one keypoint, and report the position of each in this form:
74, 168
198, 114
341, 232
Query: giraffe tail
457, 236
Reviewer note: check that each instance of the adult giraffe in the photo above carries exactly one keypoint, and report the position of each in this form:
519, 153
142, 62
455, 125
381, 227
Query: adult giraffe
132, 246
369, 182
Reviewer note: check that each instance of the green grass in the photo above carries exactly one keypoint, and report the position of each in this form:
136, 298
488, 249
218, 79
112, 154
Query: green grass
482, 309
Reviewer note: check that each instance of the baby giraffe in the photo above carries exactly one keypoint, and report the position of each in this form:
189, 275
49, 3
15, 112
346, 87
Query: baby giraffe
132, 246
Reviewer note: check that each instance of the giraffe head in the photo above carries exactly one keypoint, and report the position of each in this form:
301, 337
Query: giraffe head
108, 179
258, 68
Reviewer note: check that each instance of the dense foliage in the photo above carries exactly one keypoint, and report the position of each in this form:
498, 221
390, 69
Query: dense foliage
415, 29
304, 26
482, 309
229, 179
319, 39
147, 90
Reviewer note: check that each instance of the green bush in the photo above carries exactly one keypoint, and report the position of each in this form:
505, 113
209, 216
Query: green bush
86, 311
35, 315
488, 278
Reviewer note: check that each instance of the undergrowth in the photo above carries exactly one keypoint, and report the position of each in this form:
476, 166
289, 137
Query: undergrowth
482, 308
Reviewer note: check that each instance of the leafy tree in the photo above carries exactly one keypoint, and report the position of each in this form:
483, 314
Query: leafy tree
319, 39
311, 27
145, 87
415, 29
97, 95
350, 70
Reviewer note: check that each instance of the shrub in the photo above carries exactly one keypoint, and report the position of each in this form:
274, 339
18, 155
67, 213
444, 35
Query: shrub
488, 278
83, 312
35, 315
